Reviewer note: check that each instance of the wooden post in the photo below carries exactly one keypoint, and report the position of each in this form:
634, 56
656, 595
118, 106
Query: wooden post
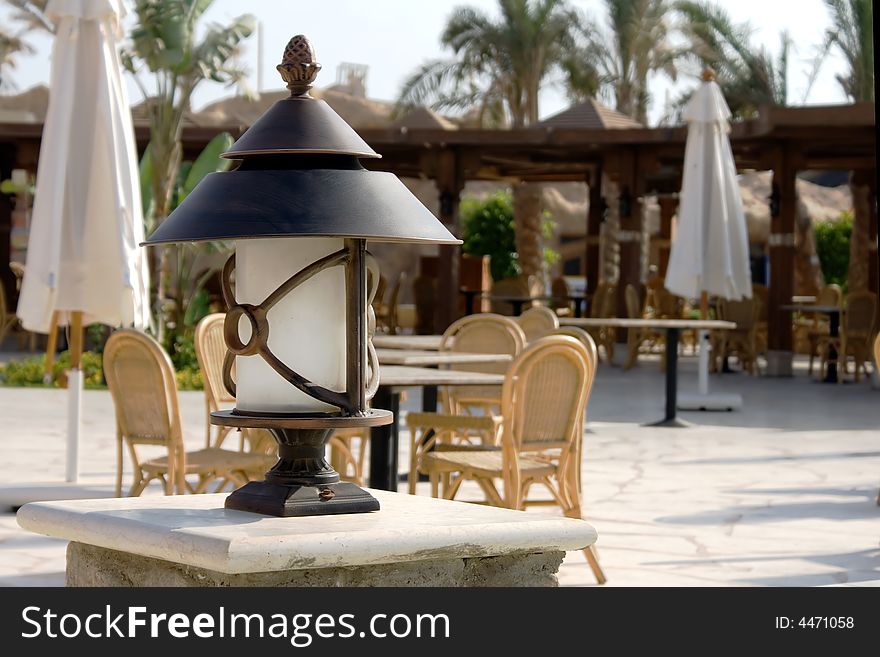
7, 278
668, 206
782, 260
630, 234
595, 215
449, 185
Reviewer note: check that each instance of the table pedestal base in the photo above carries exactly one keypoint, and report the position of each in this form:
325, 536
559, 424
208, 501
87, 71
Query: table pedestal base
672, 423
709, 402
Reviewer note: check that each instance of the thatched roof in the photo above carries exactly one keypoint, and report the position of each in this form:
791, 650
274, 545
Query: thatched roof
590, 115
29, 106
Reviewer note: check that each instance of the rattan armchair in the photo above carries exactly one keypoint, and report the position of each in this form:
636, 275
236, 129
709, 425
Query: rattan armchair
141, 381
483, 333
818, 326
538, 322
604, 305
743, 340
636, 337
8, 319
544, 400
856, 333
210, 352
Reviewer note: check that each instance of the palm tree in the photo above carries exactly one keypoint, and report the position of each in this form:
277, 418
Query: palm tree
852, 35
13, 43
500, 67
749, 76
634, 46
164, 49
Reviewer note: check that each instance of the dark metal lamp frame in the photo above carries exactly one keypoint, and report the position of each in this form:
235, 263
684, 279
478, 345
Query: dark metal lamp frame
302, 482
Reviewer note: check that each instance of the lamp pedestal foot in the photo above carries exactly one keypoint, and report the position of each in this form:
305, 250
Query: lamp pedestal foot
302, 482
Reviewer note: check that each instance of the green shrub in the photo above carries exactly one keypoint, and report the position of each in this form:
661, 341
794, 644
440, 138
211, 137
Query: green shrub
28, 372
832, 245
489, 230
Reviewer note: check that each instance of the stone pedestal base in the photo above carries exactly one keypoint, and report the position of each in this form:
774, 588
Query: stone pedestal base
88, 565
192, 540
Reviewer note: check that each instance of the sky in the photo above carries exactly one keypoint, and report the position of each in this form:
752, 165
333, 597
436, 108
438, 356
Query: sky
393, 37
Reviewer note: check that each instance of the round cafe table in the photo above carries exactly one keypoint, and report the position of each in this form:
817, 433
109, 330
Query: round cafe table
673, 328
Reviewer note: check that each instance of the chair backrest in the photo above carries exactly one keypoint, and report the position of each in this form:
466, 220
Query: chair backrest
7, 319
519, 286
559, 288
761, 293
633, 303
393, 301
379, 297
859, 313
484, 333
744, 313
829, 295
666, 304
604, 300
210, 352
586, 339
141, 381
545, 394
537, 322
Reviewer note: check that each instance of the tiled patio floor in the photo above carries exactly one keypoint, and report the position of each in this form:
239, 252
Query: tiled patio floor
780, 493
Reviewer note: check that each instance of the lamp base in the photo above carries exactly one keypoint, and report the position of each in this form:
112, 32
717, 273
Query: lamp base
302, 482
289, 500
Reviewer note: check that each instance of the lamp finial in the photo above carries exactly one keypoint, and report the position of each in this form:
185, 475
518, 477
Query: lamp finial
298, 67
708, 75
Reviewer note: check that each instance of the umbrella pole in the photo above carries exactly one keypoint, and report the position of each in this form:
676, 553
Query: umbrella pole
704, 346
74, 392
51, 347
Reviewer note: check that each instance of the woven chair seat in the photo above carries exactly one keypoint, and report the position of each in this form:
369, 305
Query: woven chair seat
481, 462
212, 459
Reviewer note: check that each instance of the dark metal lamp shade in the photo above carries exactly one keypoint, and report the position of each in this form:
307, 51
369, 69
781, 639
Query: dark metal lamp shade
299, 176
243, 204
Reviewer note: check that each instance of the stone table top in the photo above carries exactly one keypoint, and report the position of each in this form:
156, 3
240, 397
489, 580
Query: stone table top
425, 358
421, 342
626, 322
197, 531
403, 376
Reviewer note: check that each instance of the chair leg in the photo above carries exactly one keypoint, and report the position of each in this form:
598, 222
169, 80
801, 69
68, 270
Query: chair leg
593, 559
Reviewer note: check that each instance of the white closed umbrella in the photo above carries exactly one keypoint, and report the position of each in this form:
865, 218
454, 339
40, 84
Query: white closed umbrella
84, 264
710, 251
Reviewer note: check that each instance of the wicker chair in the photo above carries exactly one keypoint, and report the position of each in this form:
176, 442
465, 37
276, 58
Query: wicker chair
8, 320
604, 305
742, 340
537, 322
545, 397
141, 381
818, 325
877, 368
856, 333
483, 333
210, 351
560, 292
762, 336
386, 314
636, 337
